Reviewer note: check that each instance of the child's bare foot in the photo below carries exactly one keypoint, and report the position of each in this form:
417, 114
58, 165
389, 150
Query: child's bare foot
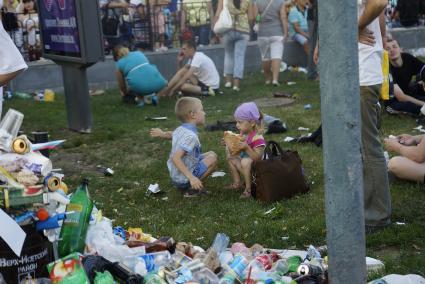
246, 194
233, 186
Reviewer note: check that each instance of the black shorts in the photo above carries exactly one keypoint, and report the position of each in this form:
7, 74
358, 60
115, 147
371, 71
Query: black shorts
205, 88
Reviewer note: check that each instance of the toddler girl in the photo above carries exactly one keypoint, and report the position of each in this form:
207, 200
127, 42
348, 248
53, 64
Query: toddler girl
248, 121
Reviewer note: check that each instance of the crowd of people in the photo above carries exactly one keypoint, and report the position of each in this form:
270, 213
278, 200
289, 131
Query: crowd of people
163, 24
197, 75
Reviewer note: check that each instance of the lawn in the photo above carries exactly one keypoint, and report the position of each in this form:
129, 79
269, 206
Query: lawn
120, 140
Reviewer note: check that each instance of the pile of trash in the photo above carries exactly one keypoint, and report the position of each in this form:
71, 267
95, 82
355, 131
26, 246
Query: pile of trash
49, 235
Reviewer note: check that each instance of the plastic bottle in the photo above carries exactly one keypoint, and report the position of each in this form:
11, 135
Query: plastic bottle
74, 229
154, 261
280, 267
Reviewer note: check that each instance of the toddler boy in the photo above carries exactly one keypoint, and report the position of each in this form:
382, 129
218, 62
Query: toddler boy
186, 164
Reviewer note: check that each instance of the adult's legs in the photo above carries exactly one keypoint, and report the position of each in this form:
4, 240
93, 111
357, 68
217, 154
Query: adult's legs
311, 67
239, 58
264, 46
229, 48
267, 71
191, 89
176, 78
276, 52
407, 169
377, 198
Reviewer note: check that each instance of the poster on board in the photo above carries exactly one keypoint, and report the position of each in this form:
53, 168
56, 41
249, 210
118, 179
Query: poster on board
60, 28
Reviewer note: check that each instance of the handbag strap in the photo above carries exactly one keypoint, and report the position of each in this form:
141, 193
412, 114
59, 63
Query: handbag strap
265, 10
272, 149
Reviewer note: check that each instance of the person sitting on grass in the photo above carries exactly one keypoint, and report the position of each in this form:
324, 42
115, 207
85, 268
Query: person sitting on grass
248, 121
198, 77
186, 164
136, 77
410, 165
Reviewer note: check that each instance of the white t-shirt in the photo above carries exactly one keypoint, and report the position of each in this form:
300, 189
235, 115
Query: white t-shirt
205, 70
370, 57
10, 58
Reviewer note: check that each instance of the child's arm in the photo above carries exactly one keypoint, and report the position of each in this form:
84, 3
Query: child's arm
158, 132
255, 154
195, 182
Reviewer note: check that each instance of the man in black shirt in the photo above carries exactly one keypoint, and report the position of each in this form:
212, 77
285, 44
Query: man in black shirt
403, 67
408, 12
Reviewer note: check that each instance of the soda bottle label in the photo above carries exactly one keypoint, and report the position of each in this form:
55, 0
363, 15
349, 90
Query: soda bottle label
149, 262
74, 218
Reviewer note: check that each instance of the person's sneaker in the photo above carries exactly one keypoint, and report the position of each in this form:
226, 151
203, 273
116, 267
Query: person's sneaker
267, 82
276, 84
236, 88
228, 85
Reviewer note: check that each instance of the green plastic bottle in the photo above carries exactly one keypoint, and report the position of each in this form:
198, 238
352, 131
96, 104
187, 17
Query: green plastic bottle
74, 228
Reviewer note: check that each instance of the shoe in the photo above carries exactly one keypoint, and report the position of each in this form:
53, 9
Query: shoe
267, 82
228, 85
236, 89
305, 138
276, 84
369, 229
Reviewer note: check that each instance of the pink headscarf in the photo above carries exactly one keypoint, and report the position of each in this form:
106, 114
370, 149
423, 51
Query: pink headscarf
247, 111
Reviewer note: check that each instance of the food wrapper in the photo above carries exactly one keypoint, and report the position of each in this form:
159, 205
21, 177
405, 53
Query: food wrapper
68, 270
232, 141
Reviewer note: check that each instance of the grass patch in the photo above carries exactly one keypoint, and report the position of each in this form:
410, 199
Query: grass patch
120, 140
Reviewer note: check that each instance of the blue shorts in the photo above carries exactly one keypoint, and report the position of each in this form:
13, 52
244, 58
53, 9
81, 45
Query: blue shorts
199, 170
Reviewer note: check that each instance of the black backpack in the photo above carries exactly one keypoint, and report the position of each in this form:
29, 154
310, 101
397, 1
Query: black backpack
9, 20
110, 24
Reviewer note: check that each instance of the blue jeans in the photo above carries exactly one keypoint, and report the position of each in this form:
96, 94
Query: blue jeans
234, 53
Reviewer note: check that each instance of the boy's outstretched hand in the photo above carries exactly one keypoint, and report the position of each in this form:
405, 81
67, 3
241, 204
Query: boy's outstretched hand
156, 132
196, 183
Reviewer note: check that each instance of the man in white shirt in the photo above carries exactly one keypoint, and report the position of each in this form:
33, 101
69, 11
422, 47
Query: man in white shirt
198, 77
11, 61
377, 198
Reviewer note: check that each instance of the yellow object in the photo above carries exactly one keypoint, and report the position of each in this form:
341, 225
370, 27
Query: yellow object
64, 187
385, 89
49, 95
53, 183
137, 234
21, 145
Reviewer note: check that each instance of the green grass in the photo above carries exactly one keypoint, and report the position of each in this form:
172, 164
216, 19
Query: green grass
120, 140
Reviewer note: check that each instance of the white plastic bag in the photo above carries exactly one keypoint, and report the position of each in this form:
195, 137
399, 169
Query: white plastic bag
224, 22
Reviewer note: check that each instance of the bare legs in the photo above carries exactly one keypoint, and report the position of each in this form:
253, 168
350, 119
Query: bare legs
237, 166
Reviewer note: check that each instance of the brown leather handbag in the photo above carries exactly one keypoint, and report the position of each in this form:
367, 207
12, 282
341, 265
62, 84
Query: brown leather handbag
278, 175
